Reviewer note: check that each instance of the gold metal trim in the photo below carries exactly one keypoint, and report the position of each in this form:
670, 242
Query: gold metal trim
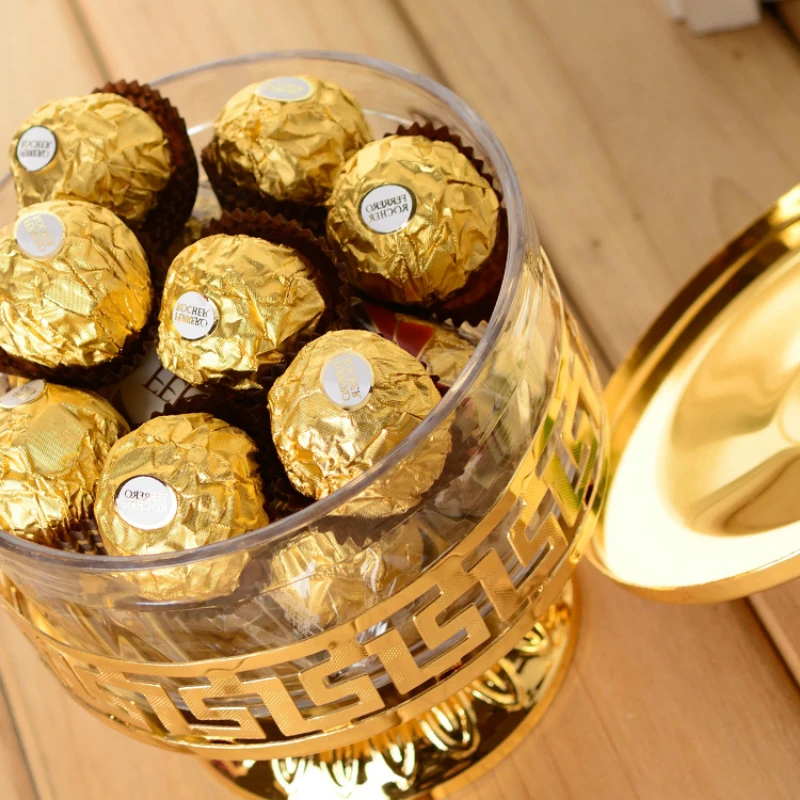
547, 517
701, 506
463, 738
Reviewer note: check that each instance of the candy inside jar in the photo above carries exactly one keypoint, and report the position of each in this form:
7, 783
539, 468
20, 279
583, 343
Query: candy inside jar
359, 576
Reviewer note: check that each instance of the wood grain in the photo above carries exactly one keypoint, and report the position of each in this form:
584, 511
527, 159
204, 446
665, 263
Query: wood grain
642, 149
29, 82
15, 777
44, 55
640, 154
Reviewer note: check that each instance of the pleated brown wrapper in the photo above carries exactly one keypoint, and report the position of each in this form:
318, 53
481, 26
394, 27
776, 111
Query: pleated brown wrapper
314, 250
475, 302
175, 202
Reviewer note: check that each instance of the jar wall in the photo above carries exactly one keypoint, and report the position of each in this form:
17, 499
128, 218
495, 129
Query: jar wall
437, 588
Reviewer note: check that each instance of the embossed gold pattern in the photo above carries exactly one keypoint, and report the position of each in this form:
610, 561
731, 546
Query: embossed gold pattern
462, 737
547, 516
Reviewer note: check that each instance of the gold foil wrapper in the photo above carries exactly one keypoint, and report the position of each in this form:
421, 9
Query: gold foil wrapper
332, 418
255, 298
174, 484
289, 149
53, 443
82, 303
320, 583
412, 219
442, 350
100, 148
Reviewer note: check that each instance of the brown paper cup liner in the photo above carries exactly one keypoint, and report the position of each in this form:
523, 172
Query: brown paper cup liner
475, 302
314, 250
232, 196
176, 200
82, 537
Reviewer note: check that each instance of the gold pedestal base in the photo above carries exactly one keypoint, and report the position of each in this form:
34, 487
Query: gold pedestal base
446, 748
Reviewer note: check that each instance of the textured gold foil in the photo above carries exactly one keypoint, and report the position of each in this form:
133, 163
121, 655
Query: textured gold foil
319, 582
80, 306
52, 450
323, 445
264, 294
289, 150
108, 152
210, 466
451, 222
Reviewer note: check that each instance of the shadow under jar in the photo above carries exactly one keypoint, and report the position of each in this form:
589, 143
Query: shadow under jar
458, 644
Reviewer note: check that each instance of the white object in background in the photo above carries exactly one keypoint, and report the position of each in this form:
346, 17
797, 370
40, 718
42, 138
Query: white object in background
675, 9
710, 16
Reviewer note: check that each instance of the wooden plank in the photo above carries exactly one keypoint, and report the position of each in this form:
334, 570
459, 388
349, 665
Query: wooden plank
642, 149
654, 708
44, 56
653, 680
31, 80
72, 754
16, 782
789, 12
144, 39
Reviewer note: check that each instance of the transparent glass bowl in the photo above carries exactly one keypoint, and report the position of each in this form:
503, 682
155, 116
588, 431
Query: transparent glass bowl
411, 607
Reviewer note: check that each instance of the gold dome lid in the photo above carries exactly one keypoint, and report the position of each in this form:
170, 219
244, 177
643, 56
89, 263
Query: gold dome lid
703, 503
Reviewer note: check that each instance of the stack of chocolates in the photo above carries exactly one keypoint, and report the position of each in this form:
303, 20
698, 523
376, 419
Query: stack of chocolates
307, 320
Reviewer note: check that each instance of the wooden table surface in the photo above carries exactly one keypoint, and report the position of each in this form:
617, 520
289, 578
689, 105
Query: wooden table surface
641, 150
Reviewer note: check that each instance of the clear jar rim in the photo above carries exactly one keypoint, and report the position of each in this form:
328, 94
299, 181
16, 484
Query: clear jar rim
521, 234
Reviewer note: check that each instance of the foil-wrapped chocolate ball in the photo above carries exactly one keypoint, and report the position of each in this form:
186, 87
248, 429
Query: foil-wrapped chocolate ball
232, 305
53, 443
347, 400
75, 286
412, 219
320, 582
288, 137
174, 484
100, 148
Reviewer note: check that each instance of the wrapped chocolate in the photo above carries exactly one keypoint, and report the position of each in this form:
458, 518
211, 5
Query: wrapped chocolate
412, 219
53, 443
319, 582
176, 483
123, 147
232, 305
346, 401
442, 349
75, 292
282, 142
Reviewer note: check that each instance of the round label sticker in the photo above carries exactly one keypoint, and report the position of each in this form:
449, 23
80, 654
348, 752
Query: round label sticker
26, 393
40, 234
289, 89
146, 503
347, 379
36, 148
387, 208
194, 316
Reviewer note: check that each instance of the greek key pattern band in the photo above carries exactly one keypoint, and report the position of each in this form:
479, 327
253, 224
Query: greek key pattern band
234, 708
